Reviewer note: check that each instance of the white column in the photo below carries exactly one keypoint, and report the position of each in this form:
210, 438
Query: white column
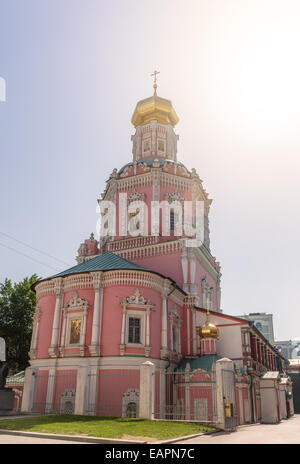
35, 332
162, 394
83, 332
164, 327
194, 332
29, 389
53, 349
81, 390
148, 327
122, 345
184, 264
50, 390
93, 391
193, 285
63, 331
147, 390
188, 331
97, 315
187, 391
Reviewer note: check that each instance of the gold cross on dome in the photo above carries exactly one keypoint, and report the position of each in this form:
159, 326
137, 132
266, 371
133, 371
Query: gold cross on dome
155, 84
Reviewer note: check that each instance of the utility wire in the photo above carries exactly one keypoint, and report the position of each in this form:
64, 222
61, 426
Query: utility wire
35, 249
29, 257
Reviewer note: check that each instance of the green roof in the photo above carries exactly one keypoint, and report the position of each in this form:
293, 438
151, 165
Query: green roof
149, 162
205, 362
104, 262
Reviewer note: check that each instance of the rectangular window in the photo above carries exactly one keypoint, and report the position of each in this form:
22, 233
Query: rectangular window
146, 146
134, 330
161, 145
75, 331
172, 220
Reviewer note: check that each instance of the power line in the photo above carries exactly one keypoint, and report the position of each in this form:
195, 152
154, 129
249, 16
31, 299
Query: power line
35, 249
29, 257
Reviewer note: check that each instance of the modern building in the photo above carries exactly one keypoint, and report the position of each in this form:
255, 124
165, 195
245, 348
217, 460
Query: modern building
290, 349
263, 322
135, 328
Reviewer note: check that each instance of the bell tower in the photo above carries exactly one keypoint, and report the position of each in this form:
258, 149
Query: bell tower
154, 196
154, 119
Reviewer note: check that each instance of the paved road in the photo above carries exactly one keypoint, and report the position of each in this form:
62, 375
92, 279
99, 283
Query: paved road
19, 440
286, 432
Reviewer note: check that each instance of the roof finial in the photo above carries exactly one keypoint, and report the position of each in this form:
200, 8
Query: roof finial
155, 85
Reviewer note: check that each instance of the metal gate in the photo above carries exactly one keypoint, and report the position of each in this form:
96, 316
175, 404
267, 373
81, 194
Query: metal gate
185, 397
55, 393
229, 398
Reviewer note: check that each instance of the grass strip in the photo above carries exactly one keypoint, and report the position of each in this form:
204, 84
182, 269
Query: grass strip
107, 427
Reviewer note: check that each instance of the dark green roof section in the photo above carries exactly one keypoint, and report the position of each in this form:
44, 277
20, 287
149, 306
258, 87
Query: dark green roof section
205, 362
104, 262
149, 162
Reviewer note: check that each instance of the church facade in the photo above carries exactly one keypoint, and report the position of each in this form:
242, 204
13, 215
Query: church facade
146, 299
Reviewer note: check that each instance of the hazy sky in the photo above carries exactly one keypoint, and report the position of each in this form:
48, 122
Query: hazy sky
74, 70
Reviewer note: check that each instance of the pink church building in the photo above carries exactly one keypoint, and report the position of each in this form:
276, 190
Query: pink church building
135, 329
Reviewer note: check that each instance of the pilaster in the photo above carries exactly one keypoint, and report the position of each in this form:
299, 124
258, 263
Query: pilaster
97, 314
58, 288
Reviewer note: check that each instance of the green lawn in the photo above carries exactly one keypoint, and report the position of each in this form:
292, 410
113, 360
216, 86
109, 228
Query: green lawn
108, 427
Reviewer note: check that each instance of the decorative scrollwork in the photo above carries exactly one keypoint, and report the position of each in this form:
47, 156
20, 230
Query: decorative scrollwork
136, 298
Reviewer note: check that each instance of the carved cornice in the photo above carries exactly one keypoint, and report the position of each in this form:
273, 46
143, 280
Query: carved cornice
73, 282
175, 318
77, 302
175, 196
44, 288
136, 196
157, 249
136, 299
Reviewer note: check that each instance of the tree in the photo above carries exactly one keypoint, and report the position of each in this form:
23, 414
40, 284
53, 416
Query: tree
17, 307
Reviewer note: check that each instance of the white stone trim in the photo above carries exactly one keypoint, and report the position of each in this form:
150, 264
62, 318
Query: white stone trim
106, 362
132, 395
50, 390
35, 331
176, 323
97, 314
75, 309
138, 307
68, 396
58, 288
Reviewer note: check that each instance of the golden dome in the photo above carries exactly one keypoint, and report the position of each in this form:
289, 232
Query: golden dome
154, 108
208, 330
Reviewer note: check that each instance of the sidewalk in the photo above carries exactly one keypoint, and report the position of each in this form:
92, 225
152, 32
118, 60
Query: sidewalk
286, 432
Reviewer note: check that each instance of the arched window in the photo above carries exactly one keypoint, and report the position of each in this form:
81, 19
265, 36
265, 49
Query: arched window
131, 410
258, 325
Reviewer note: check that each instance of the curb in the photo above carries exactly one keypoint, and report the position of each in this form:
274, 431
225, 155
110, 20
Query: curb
186, 437
100, 440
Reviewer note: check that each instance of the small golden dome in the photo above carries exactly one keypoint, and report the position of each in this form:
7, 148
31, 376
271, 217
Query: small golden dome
154, 108
208, 330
